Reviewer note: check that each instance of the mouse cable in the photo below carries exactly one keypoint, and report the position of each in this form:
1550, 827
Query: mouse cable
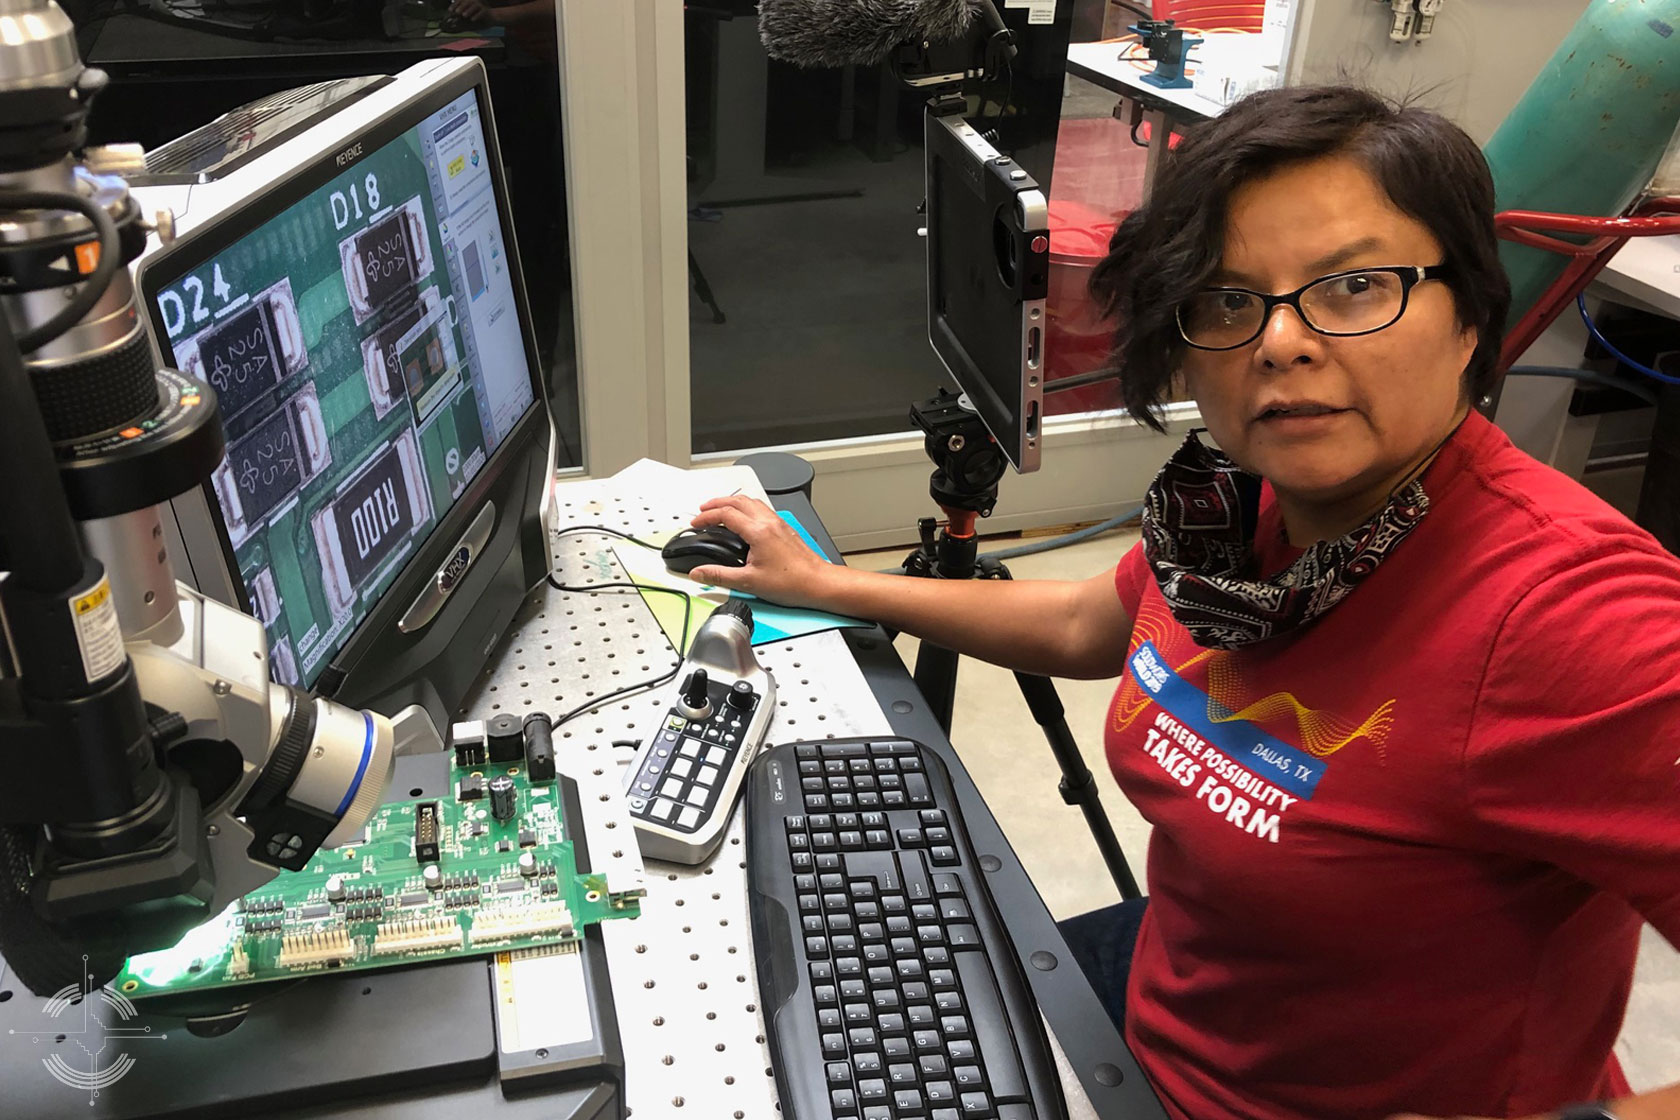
570, 529
688, 613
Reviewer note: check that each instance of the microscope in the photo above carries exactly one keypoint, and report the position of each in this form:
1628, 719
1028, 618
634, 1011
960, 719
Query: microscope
154, 772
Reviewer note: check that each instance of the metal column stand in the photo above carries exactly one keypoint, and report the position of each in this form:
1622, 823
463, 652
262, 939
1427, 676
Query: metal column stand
967, 467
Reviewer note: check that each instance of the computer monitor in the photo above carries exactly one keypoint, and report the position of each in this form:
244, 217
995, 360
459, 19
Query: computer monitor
354, 297
988, 251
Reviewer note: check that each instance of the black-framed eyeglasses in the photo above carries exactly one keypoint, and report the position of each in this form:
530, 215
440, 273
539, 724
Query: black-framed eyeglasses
1343, 304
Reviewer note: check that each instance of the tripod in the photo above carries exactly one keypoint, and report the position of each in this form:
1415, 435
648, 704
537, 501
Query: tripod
967, 467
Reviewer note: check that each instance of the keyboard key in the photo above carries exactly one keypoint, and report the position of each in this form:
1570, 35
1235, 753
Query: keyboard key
851, 841
836, 901
968, 1077
895, 1046
954, 910
821, 841
924, 912
894, 904
828, 1019
805, 750
863, 783
820, 822
861, 766
798, 841
942, 1092
948, 1002
821, 972
961, 1049
909, 763
939, 836
847, 750
828, 862
815, 801
916, 789
909, 969
816, 947
921, 1015
915, 991
839, 784
804, 882
890, 1023
853, 990
843, 943
903, 946
866, 911
917, 886
936, 957
839, 1073
834, 1045
875, 839
809, 767
801, 861
942, 978
976, 1105
943, 856
812, 923
885, 999
944, 884
901, 1074
872, 1089
932, 818
872, 931
891, 783
858, 1014
954, 1026
898, 926
890, 799
927, 1042
843, 801
812, 785
839, 923
868, 800
887, 765
866, 1061
963, 935
673, 788
824, 995
932, 1066
689, 817
880, 976
876, 953
862, 1038
832, 881
907, 1101
910, 838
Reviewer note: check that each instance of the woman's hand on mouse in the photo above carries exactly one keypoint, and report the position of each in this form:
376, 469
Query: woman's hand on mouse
780, 566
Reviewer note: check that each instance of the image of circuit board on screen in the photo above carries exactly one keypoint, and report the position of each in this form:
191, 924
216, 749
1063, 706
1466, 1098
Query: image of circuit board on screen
491, 868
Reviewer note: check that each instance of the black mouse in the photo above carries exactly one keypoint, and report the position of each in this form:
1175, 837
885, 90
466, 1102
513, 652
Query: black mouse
453, 24
712, 545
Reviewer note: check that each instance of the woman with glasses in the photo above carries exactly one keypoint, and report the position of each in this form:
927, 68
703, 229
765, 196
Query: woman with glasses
1401, 703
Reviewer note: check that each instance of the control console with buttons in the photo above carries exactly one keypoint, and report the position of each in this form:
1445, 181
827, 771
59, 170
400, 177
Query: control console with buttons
687, 775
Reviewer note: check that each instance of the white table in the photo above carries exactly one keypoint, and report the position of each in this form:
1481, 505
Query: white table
1103, 64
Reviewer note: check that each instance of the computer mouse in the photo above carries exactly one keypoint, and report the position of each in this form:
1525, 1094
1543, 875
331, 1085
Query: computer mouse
712, 545
453, 24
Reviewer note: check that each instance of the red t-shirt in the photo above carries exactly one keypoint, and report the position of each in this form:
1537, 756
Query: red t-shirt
1400, 857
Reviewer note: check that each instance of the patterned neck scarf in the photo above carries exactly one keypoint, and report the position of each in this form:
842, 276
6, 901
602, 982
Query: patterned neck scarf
1198, 536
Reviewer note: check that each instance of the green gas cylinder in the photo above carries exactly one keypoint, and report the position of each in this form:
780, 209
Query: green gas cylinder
1590, 132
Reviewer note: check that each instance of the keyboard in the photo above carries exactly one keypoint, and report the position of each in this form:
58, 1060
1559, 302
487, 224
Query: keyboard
890, 989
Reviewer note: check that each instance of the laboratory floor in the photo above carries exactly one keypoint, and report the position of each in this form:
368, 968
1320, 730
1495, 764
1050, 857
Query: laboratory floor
1006, 754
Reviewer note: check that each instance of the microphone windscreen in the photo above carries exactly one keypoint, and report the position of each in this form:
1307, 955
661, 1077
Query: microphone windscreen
856, 32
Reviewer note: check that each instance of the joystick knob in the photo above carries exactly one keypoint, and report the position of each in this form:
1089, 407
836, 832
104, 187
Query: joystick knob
694, 700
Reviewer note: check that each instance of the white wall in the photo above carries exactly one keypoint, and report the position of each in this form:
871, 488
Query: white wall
1474, 69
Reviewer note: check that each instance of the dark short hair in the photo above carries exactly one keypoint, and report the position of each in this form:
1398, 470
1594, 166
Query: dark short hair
1168, 248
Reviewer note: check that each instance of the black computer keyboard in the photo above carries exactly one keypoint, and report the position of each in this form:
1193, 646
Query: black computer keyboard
890, 988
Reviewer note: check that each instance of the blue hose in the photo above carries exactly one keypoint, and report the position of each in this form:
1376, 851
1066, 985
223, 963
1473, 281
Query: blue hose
1592, 329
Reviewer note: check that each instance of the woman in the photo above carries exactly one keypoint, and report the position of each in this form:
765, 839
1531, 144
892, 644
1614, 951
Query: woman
1400, 702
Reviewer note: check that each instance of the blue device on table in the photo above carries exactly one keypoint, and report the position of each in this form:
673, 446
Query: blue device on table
1169, 48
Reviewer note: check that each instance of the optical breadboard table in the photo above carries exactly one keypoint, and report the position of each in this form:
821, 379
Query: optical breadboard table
683, 973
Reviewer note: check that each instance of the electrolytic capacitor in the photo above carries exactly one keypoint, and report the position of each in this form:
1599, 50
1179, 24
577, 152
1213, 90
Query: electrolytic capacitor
432, 877
528, 865
504, 798
335, 888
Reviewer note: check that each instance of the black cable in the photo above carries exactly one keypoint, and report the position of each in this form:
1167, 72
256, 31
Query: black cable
110, 258
688, 614
570, 529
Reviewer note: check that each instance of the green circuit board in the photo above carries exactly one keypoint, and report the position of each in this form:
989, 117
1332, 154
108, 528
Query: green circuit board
367, 904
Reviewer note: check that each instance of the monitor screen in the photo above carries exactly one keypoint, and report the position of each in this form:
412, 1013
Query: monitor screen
366, 346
